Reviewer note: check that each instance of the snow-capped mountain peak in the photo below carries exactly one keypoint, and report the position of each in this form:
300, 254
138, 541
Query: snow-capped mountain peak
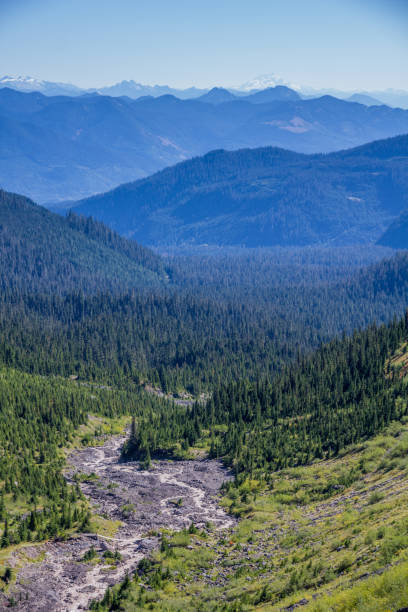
29, 84
264, 81
20, 80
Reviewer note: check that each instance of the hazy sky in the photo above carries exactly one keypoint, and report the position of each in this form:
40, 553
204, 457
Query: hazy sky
345, 44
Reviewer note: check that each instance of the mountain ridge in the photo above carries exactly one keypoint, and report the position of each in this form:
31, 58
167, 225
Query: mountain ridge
134, 89
263, 197
60, 148
44, 252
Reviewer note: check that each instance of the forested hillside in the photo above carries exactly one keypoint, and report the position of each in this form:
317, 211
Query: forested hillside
95, 328
194, 337
43, 252
263, 197
320, 490
338, 396
38, 417
192, 322
396, 235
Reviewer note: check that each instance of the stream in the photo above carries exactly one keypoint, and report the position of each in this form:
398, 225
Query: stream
171, 494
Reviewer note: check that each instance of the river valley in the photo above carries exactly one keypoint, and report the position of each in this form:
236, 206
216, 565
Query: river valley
54, 577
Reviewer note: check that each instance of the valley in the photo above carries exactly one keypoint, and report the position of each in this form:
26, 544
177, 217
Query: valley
131, 505
267, 451
328, 536
278, 531
204, 308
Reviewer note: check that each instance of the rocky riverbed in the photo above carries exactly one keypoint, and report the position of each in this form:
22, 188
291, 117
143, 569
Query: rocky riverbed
171, 495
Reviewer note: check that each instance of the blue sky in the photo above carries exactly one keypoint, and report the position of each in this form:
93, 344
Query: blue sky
345, 44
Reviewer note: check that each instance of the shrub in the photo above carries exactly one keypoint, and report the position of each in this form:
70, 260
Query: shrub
344, 564
375, 497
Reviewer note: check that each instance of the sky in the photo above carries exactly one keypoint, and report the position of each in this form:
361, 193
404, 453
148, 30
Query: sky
342, 44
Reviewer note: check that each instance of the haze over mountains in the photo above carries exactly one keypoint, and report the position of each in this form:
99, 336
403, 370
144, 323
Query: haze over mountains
124, 88
133, 89
60, 148
262, 181
264, 197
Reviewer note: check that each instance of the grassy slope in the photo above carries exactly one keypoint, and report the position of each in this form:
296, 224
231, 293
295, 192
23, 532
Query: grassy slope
328, 536
321, 535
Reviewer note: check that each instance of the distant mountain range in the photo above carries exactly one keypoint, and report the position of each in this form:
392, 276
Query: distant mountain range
364, 99
133, 89
280, 93
263, 197
59, 148
29, 84
130, 88
397, 98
